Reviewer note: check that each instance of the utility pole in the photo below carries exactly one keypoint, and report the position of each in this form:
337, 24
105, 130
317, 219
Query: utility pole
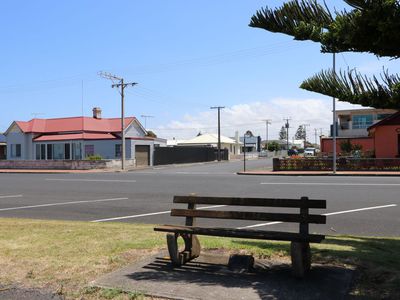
121, 85
219, 129
334, 119
145, 120
315, 135
305, 133
267, 122
287, 132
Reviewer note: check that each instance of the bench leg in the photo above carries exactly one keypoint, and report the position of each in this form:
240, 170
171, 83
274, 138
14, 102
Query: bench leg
301, 258
191, 251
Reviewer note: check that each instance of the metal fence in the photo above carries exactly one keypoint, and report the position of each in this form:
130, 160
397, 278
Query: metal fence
342, 164
182, 155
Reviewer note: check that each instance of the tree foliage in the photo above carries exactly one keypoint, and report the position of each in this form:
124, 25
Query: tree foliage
283, 133
300, 133
151, 134
274, 146
371, 26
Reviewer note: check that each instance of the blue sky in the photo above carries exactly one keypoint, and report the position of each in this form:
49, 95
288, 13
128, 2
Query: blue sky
185, 56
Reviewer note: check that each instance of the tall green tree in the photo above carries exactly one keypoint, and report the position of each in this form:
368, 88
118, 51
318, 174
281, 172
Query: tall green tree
300, 133
371, 26
283, 134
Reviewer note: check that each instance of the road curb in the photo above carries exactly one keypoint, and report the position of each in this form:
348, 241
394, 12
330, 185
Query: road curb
316, 174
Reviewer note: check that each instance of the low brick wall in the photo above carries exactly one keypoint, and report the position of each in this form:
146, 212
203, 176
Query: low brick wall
64, 164
342, 164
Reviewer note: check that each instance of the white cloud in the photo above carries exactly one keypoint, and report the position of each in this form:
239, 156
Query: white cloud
250, 116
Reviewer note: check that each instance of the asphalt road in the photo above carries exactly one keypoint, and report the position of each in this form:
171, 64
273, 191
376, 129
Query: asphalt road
356, 205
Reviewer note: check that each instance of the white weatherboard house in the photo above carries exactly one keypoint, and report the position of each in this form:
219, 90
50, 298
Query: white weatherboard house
77, 138
211, 139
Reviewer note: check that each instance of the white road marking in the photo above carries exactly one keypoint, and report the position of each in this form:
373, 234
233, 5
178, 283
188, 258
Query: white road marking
359, 209
327, 214
149, 214
10, 196
89, 180
329, 183
61, 203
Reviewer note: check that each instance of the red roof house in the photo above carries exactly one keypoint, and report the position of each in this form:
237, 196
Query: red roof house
77, 138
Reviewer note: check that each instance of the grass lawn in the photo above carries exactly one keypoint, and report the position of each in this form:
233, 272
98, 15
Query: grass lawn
65, 256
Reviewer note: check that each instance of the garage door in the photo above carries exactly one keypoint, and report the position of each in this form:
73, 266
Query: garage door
142, 155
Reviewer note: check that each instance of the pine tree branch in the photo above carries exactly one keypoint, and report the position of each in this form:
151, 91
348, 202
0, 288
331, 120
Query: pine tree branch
372, 26
304, 20
356, 88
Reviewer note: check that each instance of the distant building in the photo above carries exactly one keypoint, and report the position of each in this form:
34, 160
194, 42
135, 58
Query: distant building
355, 122
211, 140
376, 130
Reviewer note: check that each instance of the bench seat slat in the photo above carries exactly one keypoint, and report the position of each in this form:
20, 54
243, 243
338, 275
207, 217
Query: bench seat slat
268, 202
245, 215
242, 233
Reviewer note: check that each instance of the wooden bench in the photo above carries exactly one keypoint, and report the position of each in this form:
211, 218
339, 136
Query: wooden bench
300, 248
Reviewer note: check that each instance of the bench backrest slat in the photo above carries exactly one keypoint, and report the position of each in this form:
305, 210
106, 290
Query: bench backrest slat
244, 215
266, 202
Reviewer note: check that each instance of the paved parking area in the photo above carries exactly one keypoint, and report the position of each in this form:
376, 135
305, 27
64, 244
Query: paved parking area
356, 205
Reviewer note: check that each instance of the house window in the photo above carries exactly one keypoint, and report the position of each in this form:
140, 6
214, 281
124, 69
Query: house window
67, 151
89, 150
76, 151
42, 151
37, 147
382, 116
49, 151
362, 121
15, 150
58, 151
118, 150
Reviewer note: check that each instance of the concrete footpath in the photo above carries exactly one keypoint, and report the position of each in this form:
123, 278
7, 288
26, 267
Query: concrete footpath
208, 277
320, 173
45, 171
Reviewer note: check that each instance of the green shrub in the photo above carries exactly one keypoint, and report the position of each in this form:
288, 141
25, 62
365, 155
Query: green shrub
94, 157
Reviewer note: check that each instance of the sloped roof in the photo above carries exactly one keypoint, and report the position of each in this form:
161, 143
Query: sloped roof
106, 125
208, 138
391, 120
75, 136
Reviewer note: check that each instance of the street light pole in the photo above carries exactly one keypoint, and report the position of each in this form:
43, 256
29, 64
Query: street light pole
334, 119
244, 153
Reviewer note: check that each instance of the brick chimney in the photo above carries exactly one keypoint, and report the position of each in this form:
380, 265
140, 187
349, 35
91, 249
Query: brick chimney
97, 112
